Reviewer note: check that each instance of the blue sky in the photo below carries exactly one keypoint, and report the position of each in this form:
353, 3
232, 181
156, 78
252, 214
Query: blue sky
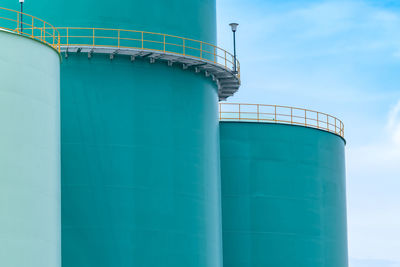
343, 58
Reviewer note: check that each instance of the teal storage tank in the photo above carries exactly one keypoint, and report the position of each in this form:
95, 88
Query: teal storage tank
140, 143
194, 19
283, 196
30, 225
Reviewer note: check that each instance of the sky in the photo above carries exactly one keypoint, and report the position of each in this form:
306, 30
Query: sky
342, 58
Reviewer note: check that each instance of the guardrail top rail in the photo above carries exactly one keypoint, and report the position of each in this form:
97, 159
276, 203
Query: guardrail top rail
142, 40
30, 26
280, 114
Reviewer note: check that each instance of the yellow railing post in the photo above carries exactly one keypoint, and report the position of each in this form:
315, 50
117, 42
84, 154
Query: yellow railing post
18, 15
225, 60
305, 117
164, 43
93, 37
67, 36
119, 34
342, 129
201, 49
215, 56
220, 111
32, 27
327, 122
275, 114
258, 112
335, 126
183, 45
291, 115
239, 113
142, 40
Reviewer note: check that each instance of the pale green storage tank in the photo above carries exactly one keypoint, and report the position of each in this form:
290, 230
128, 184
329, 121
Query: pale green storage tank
283, 195
30, 225
140, 142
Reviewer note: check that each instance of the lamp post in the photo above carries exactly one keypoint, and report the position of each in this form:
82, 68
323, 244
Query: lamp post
22, 10
234, 29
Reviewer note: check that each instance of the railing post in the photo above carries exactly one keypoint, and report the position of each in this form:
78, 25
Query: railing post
93, 37
291, 115
220, 111
183, 46
18, 17
67, 36
32, 27
239, 113
142, 41
335, 126
164, 43
275, 114
201, 50
342, 129
327, 122
225, 60
305, 117
318, 120
119, 34
215, 56
258, 112
54, 35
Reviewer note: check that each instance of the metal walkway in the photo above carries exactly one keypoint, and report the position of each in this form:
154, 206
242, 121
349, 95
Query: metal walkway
228, 83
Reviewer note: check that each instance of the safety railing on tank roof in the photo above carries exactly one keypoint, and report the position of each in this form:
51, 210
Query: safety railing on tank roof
280, 114
29, 26
141, 40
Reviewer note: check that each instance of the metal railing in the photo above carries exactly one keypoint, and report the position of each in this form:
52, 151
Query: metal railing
141, 40
280, 114
32, 27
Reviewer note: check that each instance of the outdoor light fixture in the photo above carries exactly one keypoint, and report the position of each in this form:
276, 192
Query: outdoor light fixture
22, 10
234, 29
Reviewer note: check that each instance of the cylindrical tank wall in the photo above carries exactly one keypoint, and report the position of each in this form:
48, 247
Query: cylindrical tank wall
283, 196
140, 165
140, 143
30, 153
194, 19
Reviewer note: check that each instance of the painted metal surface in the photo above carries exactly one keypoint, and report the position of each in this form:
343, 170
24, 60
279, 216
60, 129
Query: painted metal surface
283, 196
30, 224
140, 143
140, 178
194, 55
280, 114
195, 19
148, 41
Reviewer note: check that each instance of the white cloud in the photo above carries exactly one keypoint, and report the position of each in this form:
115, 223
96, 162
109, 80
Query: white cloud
373, 263
393, 125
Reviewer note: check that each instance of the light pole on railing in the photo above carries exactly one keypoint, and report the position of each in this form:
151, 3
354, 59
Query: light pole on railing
234, 29
22, 10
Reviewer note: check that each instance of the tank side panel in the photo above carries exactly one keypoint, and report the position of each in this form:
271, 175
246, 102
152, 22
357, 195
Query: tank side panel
140, 165
30, 153
283, 195
192, 19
